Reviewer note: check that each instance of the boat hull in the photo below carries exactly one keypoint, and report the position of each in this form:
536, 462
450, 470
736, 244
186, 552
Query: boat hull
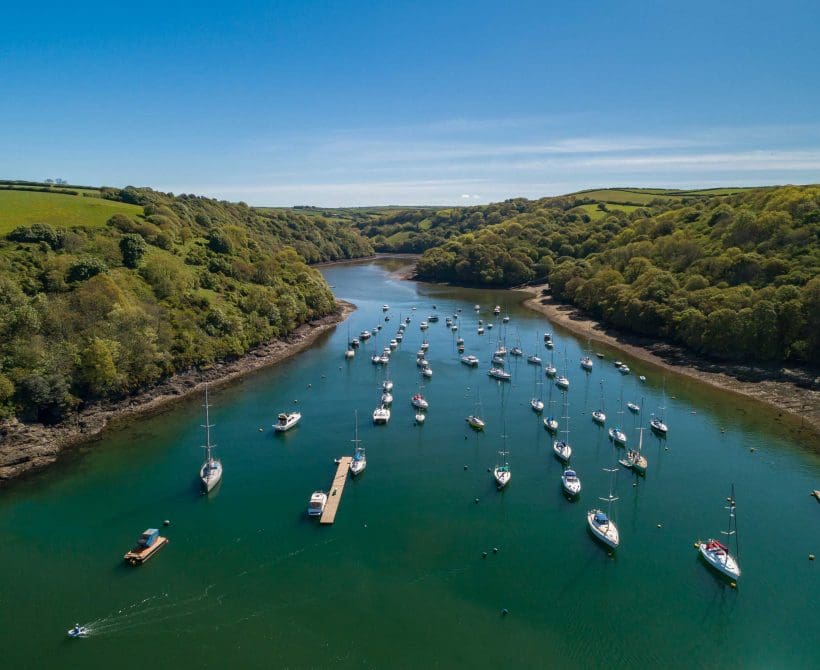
605, 533
728, 568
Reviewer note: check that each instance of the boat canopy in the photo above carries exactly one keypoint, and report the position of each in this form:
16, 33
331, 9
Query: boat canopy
600, 517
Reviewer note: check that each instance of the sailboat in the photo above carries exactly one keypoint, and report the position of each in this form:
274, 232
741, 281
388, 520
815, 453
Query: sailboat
598, 415
715, 553
561, 448
537, 403
551, 370
210, 474
350, 352
418, 400
586, 359
657, 424
562, 381
475, 420
634, 459
601, 524
615, 433
551, 423
359, 462
501, 471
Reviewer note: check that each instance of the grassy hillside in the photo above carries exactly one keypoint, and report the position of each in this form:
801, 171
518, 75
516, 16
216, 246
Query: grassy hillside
102, 297
22, 208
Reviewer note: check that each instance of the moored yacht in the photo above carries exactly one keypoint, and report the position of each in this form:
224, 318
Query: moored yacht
470, 360
601, 525
715, 553
381, 415
316, 505
500, 374
210, 474
570, 482
286, 421
359, 462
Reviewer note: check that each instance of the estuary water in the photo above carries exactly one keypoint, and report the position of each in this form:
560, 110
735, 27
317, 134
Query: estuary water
401, 580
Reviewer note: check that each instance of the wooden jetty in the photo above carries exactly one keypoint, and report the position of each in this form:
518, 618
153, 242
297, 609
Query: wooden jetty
334, 496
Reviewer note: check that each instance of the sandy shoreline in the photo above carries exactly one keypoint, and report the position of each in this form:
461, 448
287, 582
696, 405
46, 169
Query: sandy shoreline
793, 393
26, 448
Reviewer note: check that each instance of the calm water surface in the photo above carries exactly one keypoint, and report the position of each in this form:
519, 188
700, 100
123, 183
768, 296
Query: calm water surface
399, 581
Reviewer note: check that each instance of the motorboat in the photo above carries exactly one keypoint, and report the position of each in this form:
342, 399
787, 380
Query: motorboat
286, 421
570, 482
586, 363
318, 500
381, 415
423, 325
500, 374
78, 631
470, 360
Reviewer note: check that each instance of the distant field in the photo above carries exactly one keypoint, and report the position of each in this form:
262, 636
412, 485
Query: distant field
595, 213
22, 208
622, 195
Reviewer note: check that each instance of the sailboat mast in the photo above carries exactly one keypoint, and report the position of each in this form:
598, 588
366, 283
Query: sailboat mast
207, 427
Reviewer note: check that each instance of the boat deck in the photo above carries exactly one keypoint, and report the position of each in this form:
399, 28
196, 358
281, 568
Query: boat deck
334, 496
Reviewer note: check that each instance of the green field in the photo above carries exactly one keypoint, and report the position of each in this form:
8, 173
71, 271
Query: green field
22, 208
595, 213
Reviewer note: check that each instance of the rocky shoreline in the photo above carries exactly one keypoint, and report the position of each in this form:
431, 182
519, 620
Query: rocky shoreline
27, 448
793, 393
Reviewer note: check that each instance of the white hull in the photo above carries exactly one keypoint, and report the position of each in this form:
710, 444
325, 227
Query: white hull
537, 406
289, 422
475, 422
571, 485
551, 426
606, 532
721, 561
562, 450
210, 474
502, 477
598, 417
358, 467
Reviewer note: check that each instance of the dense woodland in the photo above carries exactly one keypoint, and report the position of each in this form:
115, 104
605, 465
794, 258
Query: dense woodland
736, 277
100, 312
89, 312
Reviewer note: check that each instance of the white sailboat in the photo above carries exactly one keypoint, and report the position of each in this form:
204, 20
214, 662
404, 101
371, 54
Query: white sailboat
537, 402
550, 369
598, 415
715, 553
501, 471
475, 420
634, 459
657, 423
359, 462
551, 423
210, 474
601, 524
616, 434
562, 448
418, 401
562, 381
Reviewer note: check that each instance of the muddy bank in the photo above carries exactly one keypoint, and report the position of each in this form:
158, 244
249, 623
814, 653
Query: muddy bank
796, 393
25, 448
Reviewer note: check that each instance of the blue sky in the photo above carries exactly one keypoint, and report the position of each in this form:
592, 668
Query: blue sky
350, 103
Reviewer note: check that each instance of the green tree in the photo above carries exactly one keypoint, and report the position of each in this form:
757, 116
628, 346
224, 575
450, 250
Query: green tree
133, 248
